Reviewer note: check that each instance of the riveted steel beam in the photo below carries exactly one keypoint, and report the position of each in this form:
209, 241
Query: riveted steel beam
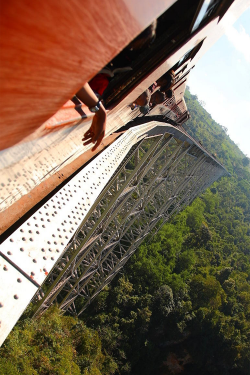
69, 299
79, 240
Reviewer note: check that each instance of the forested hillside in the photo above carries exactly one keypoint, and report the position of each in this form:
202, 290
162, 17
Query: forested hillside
182, 302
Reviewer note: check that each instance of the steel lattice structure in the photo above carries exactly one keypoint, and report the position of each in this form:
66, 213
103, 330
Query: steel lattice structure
160, 176
74, 245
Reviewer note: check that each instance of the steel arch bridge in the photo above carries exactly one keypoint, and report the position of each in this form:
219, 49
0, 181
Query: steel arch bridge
76, 243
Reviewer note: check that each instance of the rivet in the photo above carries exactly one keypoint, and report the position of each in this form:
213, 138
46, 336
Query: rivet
32, 273
9, 252
37, 232
57, 250
44, 258
16, 296
21, 249
19, 280
1, 304
5, 268
24, 239
21, 230
52, 258
31, 239
11, 240
30, 231
34, 260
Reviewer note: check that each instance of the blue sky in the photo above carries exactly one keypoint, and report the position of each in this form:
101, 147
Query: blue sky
221, 79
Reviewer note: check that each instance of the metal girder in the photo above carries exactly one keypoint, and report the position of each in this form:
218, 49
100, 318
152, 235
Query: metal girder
78, 241
40, 243
166, 180
16, 293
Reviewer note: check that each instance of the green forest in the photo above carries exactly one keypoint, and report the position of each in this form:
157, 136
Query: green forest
181, 304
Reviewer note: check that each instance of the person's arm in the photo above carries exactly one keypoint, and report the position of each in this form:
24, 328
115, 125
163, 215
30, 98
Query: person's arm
96, 132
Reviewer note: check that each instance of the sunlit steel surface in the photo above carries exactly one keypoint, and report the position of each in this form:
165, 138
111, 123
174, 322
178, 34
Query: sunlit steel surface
161, 175
76, 243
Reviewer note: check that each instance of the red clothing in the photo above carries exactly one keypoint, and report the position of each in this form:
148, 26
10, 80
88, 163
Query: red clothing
99, 83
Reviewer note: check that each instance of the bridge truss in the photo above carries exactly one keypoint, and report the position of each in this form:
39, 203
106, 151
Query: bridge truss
74, 245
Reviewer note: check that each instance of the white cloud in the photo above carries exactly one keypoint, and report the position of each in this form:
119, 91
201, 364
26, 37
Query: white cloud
240, 40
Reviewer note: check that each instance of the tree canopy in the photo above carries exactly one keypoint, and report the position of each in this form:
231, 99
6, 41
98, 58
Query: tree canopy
181, 303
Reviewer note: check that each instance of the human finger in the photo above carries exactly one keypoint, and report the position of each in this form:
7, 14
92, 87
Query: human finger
88, 133
99, 140
97, 135
90, 130
85, 138
87, 142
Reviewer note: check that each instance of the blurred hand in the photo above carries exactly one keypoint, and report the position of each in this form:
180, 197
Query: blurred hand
96, 132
